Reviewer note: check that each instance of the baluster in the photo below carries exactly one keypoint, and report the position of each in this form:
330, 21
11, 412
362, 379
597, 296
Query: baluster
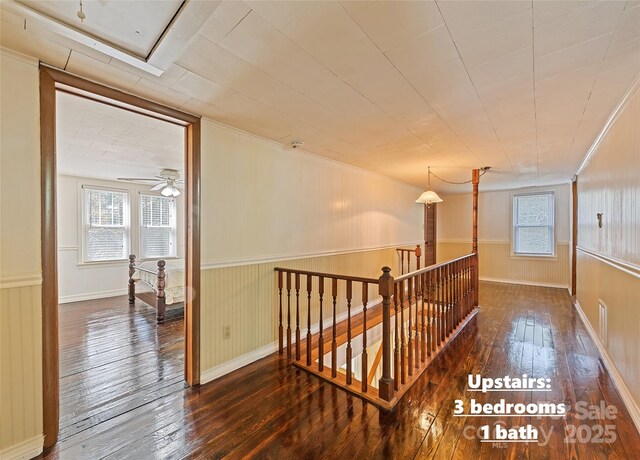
408, 262
469, 303
309, 287
297, 316
450, 299
396, 351
410, 343
365, 364
289, 315
447, 274
334, 341
402, 261
456, 290
403, 350
428, 277
280, 331
349, 350
423, 338
416, 341
320, 336
441, 297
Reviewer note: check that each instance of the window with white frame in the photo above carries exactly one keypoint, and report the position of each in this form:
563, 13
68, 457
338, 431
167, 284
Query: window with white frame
533, 221
157, 226
105, 224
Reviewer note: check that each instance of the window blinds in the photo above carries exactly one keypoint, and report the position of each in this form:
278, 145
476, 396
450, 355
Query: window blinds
157, 226
533, 224
105, 224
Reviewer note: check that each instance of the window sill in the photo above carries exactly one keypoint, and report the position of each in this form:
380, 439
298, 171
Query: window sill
103, 263
516, 256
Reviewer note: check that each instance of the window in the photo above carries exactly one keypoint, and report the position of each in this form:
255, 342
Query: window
105, 224
533, 224
157, 226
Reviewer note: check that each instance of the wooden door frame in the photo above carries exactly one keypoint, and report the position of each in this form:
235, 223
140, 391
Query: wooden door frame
52, 80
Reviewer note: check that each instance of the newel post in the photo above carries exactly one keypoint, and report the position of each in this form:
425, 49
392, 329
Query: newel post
418, 255
385, 289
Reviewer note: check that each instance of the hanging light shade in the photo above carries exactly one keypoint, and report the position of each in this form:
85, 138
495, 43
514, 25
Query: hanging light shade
429, 196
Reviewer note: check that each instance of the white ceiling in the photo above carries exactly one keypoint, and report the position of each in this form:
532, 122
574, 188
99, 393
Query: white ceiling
134, 26
522, 86
104, 142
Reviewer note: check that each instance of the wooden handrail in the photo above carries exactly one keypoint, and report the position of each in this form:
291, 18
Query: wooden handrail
358, 279
431, 268
420, 313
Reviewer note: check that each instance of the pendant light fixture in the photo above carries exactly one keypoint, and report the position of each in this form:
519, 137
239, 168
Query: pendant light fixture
429, 196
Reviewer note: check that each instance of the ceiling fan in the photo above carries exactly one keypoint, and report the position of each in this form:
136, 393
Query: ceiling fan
167, 181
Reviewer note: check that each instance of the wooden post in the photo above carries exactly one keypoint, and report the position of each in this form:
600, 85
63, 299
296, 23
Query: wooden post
475, 180
418, 254
385, 288
132, 283
160, 301
574, 234
280, 331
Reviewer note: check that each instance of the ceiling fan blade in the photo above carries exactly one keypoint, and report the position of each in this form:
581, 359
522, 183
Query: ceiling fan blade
159, 186
136, 179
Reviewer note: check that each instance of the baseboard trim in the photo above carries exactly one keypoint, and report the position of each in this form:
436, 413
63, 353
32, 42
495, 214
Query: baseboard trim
618, 381
236, 363
92, 296
526, 283
24, 450
248, 358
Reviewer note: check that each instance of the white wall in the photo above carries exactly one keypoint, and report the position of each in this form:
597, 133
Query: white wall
261, 200
497, 263
82, 281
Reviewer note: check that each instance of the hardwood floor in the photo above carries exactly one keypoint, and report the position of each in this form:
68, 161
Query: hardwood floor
270, 409
113, 359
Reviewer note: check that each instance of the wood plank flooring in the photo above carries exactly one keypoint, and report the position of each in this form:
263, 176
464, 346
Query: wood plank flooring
270, 409
113, 359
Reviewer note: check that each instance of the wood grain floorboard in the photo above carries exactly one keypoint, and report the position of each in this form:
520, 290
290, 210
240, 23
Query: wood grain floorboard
123, 396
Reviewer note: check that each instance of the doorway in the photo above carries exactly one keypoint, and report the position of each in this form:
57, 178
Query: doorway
430, 225
52, 81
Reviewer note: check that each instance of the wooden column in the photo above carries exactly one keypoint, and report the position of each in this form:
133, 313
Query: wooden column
574, 234
475, 180
385, 288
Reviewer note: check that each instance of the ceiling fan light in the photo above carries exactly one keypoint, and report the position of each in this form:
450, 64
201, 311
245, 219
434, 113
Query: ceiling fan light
428, 197
168, 191
176, 192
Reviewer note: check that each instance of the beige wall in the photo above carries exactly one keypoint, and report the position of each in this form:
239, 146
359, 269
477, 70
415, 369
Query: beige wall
20, 280
497, 262
608, 266
264, 205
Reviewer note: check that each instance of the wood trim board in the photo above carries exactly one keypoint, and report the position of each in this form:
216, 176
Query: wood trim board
52, 80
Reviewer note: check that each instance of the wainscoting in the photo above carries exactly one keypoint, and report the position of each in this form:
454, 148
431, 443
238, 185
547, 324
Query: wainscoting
497, 263
245, 298
601, 280
21, 367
